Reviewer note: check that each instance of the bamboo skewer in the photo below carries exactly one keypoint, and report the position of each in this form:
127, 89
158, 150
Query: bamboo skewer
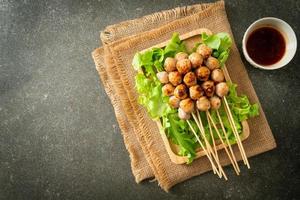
235, 135
206, 142
210, 120
209, 147
204, 149
229, 114
212, 138
227, 140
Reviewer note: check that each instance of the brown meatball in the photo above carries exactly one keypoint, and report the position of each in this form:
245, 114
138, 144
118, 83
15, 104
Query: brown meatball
203, 104
222, 89
184, 66
196, 59
181, 91
183, 115
215, 102
168, 89
181, 56
209, 88
163, 77
196, 92
187, 105
170, 64
204, 50
190, 79
175, 78
174, 102
217, 75
212, 63
202, 73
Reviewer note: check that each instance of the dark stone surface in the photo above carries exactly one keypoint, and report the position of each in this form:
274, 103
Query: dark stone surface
59, 138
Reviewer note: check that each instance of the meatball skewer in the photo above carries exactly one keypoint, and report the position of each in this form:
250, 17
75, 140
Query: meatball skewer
199, 123
222, 90
228, 143
206, 151
230, 156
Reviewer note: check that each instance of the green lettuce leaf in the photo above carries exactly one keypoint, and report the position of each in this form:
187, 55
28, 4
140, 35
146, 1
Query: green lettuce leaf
151, 97
220, 43
174, 46
179, 132
240, 105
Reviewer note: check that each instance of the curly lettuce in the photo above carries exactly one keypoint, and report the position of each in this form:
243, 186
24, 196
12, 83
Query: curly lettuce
220, 43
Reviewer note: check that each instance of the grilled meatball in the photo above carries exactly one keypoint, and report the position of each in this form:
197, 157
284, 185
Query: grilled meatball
215, 102
168, 89
184, 66
163, 77
181, 56
202, 73
174, 102
212, 63
217, 75
187, 105
204, 50
170, 64
196, 92
181, 91
196, 59
175, 78
222, 89
183, 115
190, 79
209, 88
203, 104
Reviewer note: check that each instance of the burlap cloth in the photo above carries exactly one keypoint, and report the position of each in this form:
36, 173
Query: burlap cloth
141, 135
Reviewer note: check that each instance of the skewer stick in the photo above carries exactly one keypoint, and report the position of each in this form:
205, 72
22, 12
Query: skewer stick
204, 149
212, 138
227, 141
206, 142
209, 147
236, 133
210, 120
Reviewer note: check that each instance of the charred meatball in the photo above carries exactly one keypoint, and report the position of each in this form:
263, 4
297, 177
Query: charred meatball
183, 115
163, 77
181, 91
222, 89
181, 56
204, 50
209, 88
215, 102
184, 66
212, 63
203, 104
196, 92
174, 102
196, 60
175, 78
170, 64
187, 105
202, 73
168, 89
217, 75
190, 79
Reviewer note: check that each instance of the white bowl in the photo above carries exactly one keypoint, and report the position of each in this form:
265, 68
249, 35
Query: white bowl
285, 29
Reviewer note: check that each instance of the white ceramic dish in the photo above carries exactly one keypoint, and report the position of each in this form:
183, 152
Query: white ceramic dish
285, 29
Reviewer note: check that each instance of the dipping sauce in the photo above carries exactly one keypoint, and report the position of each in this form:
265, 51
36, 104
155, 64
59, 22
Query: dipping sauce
265, 46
